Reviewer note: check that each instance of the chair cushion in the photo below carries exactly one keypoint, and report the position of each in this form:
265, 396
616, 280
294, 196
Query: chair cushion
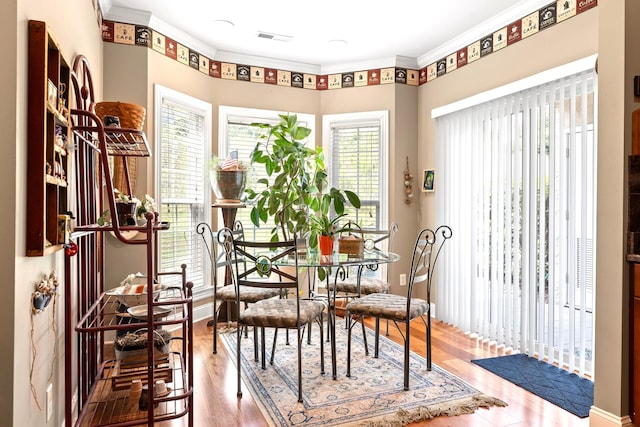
388, 306
280, 313
248, 294
367, 286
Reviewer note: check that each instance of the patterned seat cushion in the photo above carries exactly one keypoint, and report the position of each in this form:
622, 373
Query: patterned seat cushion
388, 306
367, 286
280, 313
248, 294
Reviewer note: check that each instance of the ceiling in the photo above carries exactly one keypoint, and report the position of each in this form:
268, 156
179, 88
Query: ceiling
323, 37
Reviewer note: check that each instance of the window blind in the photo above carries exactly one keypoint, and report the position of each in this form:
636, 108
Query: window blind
182, 164
355, 166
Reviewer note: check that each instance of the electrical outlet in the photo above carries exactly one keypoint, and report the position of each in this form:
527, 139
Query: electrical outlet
403, 279
49, 401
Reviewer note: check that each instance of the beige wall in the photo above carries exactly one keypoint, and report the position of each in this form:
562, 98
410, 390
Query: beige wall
617, 64
68, 19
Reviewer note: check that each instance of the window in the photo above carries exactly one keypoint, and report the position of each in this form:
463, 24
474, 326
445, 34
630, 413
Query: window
517, 184
356, 147
183, 140
237, 133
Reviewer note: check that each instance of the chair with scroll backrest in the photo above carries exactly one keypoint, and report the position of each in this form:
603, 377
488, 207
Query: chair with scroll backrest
373, 239
257, 265
224, 295
350, 287
405, 308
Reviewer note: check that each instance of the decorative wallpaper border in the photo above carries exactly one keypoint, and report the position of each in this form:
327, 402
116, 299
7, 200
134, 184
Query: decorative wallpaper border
543, 18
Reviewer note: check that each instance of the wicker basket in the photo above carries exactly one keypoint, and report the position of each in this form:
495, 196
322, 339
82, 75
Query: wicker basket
351, 245
131, 115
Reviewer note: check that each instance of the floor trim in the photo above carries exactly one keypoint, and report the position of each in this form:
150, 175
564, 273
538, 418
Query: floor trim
601, 418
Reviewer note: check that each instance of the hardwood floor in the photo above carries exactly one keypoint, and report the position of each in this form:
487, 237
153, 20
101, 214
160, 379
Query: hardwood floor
216, 403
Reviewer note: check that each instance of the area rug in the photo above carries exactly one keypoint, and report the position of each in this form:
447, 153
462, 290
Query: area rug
562, 388
372, 396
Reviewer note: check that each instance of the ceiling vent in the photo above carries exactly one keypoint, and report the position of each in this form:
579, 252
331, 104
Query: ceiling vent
274, 37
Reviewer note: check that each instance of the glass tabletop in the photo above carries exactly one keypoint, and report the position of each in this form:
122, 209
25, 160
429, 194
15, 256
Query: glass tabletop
314, 259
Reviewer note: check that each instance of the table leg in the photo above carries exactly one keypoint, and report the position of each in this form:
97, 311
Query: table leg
332, 292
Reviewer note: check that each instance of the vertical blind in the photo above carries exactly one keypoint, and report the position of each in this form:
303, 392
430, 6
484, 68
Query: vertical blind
517, 184
182, 160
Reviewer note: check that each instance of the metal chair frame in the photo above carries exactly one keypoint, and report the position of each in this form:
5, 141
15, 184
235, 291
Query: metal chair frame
426, 251
256, 265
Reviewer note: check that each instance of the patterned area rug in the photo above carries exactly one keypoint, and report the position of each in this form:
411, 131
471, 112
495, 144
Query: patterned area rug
372, 396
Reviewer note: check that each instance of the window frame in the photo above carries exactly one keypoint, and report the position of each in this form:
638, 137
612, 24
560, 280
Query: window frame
203, 108
357, 119
253, 115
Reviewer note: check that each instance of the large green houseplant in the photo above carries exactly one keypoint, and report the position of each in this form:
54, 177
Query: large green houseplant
294, 189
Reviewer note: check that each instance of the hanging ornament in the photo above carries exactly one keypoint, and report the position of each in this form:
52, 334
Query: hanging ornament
408, 190
71, 248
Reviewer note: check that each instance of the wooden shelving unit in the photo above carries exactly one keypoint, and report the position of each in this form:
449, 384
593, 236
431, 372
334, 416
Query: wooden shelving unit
48, 132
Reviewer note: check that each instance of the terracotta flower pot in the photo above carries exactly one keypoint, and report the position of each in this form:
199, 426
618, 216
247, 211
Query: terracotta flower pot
326, 244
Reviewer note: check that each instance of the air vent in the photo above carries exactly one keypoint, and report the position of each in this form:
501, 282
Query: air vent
275, 37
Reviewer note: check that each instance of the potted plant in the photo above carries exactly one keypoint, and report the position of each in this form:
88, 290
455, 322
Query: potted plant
228, 178
147, 204
323, 230
296, 176
126, 208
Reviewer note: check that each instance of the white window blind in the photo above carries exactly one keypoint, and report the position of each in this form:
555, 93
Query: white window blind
517, 184
182, 168
354, 166
356, 157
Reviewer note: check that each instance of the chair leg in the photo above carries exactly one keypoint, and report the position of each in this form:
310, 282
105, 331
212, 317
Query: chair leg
238, 346
406, 355
215, 328
349, 350
364, 336
300, 338
255, 342
428, 341
321, 344
263, 352
376, 351
273, 347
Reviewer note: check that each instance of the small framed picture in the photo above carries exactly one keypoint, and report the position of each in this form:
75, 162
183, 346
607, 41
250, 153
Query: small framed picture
428, 180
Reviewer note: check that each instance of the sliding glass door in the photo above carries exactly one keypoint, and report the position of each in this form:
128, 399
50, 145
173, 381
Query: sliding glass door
517, 180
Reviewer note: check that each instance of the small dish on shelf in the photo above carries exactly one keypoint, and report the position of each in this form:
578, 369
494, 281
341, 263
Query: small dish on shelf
141, 312
135, 294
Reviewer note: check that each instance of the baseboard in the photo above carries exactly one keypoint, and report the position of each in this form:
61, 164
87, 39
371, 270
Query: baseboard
601, 418
202, 312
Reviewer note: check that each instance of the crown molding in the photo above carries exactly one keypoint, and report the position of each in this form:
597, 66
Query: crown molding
387, 62
499, 21
141, 17
266, 62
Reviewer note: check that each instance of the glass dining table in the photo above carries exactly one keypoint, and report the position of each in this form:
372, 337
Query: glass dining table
336, 267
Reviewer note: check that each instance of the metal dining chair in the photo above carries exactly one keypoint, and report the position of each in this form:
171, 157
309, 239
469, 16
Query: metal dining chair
348, 287
256, 266
405, 308
225, 295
